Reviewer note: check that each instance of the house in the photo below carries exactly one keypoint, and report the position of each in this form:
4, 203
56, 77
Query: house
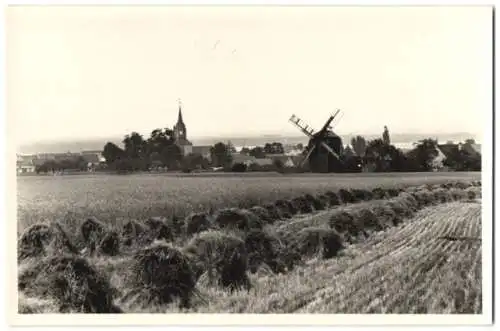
242, 158
24, 164
286, 160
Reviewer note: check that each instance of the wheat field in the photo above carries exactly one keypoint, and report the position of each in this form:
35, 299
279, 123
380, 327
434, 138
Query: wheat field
418, 250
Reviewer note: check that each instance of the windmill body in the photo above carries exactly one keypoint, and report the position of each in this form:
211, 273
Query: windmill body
324, 148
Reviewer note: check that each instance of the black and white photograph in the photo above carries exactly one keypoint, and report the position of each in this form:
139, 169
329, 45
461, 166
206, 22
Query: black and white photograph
290, 161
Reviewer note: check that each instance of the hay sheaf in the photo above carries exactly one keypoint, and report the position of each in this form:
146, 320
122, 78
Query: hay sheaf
302, 205
131, 231
346, 196
316, 203
315, 240
325, 200
273, 211
333, 198
44, 239
424, 197
92, 232
379, 193
345, 224
197, 222
110, 244
222, 257
458, 194
159, 229
361, 195
442, 195
286, 207
161, 274
263, 248
367, 219
72, 282
240, 219
99, 238
386, 215
263, 214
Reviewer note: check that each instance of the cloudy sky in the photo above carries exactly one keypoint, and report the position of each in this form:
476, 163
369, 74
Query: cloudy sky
85, 72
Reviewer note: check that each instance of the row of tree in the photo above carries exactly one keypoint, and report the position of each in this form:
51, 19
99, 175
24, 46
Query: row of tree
383, 156
160, 150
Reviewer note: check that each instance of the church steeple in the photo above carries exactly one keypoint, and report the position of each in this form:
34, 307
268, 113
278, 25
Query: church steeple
180, 127
179, 118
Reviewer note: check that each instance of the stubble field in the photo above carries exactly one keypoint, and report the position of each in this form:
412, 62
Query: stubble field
394, 243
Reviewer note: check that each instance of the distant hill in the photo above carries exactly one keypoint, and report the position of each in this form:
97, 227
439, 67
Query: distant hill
98, 144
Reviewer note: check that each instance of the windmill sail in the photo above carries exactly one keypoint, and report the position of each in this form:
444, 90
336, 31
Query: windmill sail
306, 129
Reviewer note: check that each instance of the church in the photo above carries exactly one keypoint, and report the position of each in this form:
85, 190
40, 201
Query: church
180, 135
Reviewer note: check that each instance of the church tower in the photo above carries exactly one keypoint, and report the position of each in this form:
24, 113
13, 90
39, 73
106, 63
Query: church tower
180, 128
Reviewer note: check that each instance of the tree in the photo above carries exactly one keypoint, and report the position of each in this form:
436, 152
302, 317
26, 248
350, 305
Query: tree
257, 152
358, 144
221, 155
424, 153
274, 148
192, 161
112, 153
385, 136
245, 151
470, 141
387, 157
135, 145
300, 146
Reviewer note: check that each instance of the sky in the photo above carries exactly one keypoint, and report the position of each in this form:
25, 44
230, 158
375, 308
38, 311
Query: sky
89, 72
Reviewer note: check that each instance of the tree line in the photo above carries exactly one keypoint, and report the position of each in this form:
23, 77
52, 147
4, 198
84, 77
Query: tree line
159, 150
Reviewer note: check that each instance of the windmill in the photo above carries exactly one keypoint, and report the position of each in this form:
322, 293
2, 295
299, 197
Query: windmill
324, 148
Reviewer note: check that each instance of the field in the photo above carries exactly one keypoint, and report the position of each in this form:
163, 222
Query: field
370, 243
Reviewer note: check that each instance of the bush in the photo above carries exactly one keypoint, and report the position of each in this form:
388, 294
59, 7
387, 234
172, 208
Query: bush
161, 274
240, 219
72, 282
239, 167
223, 258
43, 239
313, 240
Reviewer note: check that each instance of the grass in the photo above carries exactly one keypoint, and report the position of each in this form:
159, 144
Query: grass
411, 243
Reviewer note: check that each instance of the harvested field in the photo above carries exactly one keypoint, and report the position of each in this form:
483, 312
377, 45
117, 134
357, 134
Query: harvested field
412, 251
